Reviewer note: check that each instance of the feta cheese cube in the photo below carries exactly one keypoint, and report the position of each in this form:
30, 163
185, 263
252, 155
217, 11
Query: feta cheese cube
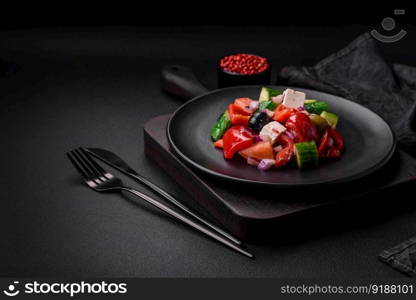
293, 99
272, 131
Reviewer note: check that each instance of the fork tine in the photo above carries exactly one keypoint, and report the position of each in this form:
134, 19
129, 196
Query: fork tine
81, 161
93, 163
87, 162
77, 165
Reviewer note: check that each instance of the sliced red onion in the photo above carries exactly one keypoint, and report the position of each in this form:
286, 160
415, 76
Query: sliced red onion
301, 108
252, 161
289, 134
265, 164
278, 148
269, 113
253, 105
257, 139
278, 99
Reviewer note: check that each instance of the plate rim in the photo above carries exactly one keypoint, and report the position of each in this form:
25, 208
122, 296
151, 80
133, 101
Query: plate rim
277, 184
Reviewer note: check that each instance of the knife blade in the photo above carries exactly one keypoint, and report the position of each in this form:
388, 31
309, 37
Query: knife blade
119, 164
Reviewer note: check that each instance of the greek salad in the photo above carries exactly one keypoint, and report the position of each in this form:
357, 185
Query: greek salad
279, 127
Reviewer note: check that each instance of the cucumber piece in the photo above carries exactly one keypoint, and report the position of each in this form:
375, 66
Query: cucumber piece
331, 118
306, 154
320, 123
316, 107
266, 94
223, 123
270, 105
310, 100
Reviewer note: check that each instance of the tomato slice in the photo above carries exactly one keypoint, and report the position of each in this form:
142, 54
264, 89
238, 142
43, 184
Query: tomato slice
260, 150
236, 117
243, 106
235, 139
281, 107
282, 113
286, 154
282, 116
239, 120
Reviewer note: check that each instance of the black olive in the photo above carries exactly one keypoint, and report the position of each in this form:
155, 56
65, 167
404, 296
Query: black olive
258, 120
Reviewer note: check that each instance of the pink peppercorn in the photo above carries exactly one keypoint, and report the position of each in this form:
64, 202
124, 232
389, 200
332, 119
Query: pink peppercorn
245, 64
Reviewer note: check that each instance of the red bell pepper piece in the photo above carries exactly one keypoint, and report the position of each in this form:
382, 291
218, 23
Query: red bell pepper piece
333, 153
324, 144
286, 154
219, 144
302, 128
235, 139
332, 144
338, 139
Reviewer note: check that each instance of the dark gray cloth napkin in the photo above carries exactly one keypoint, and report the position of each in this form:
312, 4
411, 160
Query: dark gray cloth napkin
402, 257
361, 74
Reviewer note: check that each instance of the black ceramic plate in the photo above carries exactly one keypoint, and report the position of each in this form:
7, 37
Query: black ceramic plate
369, 140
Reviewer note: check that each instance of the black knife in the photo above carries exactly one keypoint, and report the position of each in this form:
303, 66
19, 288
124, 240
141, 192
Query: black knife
116, 162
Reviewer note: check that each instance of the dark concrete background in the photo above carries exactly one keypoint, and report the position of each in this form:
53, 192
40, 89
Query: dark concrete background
97, 87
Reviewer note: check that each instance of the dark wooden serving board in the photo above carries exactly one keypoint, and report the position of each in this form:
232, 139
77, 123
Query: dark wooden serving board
252, 213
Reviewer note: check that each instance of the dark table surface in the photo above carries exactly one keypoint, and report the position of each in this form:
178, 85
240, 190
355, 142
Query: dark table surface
97, 87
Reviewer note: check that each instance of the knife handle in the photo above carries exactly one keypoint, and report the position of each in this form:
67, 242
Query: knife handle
180, 81
179, 205
188, 221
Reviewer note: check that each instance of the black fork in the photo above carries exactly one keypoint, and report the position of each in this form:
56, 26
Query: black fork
101, 181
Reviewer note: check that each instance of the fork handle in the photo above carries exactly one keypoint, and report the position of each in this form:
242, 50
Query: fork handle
188, 221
